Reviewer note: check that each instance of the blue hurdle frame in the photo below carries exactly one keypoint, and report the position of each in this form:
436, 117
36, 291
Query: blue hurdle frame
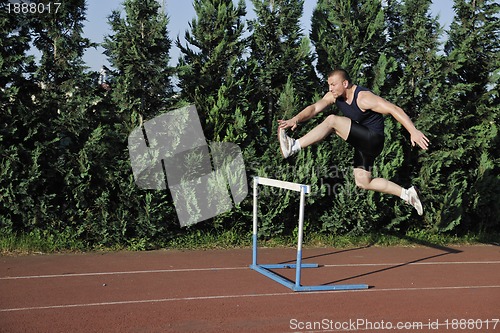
267, 269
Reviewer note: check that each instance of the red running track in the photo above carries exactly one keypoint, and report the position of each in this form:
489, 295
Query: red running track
413, 289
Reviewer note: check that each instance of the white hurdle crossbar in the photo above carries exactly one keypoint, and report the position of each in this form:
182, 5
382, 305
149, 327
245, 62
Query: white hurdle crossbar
267, 269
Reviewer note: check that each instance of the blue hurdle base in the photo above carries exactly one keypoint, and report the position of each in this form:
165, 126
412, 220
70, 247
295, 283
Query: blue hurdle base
266, 270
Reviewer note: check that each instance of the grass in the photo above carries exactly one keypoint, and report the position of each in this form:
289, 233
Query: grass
39, 242
45, 242
232, 239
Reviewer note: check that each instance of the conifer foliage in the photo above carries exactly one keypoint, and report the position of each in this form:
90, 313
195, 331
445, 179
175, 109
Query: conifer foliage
211, 65
17, 84
64, 163
139, 52
349, 34
461, 173
280, 52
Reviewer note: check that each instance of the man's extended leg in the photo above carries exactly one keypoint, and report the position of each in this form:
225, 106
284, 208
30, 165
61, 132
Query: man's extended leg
340, 125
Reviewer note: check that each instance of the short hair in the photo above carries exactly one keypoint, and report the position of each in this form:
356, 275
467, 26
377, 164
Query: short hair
342, 72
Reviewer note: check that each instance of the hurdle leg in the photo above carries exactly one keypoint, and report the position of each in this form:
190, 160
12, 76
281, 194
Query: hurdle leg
254, 233
300, 237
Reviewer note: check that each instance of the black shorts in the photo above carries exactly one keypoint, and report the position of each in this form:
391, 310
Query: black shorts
367, 145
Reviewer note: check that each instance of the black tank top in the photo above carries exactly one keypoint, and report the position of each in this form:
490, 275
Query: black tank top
370, 119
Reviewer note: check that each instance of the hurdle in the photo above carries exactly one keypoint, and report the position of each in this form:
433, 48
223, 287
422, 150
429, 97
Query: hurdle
266, 269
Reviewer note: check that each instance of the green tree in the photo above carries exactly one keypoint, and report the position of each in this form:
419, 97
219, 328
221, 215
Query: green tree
413, 84
141, 88
53, 125
284, 81
16, 90
461, 173
63, 102
211, 68
139, 52
350, 34
212, 75
280, 54
415, 46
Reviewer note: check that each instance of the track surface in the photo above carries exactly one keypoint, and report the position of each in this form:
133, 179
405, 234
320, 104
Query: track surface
417, 289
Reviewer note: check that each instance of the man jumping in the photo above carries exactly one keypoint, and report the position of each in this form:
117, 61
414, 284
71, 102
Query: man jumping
362, 127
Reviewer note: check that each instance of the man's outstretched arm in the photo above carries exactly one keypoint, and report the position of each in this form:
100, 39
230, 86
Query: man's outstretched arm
308, 113
369, 101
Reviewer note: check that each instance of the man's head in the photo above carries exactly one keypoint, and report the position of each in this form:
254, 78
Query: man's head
338, 82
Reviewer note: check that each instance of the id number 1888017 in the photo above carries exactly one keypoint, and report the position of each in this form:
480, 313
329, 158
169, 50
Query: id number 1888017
22, 7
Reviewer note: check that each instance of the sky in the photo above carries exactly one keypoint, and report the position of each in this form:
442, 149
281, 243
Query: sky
181, 12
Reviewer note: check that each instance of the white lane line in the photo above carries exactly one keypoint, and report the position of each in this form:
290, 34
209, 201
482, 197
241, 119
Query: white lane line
418, 264
218, 297
122, 273
215, 269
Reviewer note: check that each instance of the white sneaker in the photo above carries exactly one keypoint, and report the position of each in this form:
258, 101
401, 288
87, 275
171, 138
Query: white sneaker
414, 200
286, 143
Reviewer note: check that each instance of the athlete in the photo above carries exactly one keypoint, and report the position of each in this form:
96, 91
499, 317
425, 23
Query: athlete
362, 126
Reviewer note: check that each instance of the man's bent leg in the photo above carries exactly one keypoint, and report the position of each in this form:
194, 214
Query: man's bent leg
365, 181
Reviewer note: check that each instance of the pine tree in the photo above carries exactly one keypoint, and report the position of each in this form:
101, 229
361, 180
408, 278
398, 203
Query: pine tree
16, 89
211, 68
53, 125
139, 52
140, 89
415, 46
212, 75
414, 84
461, 175
284, 82
349, 34
280, 53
